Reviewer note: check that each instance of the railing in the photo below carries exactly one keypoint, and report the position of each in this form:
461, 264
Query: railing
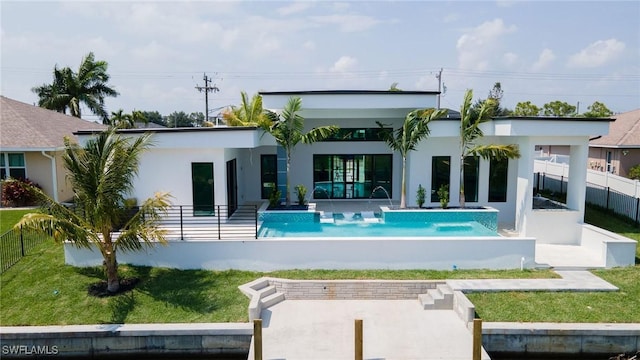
206, 223
602, 196
17, 243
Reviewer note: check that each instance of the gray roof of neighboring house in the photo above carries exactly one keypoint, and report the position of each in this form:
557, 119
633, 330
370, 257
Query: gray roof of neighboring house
24, 126
623, 132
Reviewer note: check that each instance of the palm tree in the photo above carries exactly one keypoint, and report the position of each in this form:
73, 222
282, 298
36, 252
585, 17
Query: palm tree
249, 113
470, 132
89, 86
122, 120
101, 174
405, 139
287, 128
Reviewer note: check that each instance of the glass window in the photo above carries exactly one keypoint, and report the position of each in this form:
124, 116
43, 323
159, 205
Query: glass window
268, 175
471, 168
202, 187
12, 165
351, 176
498, 180
440, 174
357, 134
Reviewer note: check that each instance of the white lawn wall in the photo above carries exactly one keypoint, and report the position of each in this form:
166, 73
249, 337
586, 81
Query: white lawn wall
338, 253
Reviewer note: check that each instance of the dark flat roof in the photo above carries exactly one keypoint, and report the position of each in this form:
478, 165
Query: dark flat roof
551, 118
348, 92
170, 130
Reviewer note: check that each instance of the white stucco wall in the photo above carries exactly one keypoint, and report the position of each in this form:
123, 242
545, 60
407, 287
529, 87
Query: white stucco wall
315, 253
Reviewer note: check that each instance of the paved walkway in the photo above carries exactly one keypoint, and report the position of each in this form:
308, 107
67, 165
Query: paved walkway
392, 329
572, 280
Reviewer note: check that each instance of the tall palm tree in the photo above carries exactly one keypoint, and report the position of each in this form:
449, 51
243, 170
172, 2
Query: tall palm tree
101, 174
405, 139
249, 113
287, 128
89, 86
470, 132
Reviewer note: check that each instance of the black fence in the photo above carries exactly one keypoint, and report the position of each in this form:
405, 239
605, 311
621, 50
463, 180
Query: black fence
212, 222
603, 197
16, 244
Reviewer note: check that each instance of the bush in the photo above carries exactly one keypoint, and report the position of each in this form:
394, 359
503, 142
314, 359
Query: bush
15, 192
443, 196
420, 195
634, 172
274, 198
301, 193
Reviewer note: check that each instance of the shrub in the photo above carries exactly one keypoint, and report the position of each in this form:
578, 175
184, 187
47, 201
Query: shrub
443, 195
274, 198
15, 192
420, 195
301, 193
634, 172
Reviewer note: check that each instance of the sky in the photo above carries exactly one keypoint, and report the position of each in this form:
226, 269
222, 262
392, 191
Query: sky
159, 51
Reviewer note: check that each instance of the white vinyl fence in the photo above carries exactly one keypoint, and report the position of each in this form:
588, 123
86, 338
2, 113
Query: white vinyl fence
612, 192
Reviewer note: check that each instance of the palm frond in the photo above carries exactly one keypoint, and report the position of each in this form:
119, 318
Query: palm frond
496, 151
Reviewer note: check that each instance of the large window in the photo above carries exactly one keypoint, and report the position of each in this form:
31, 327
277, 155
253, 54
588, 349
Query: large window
202, 187
358, 134
471, 168
440, 174
498, 180
268, 175
352, 176
12, 165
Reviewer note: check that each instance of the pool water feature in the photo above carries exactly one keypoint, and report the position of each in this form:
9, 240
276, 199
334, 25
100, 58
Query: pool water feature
389, 223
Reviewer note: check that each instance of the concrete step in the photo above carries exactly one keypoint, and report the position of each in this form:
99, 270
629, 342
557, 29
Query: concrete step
440, 298
271, 300
266, 291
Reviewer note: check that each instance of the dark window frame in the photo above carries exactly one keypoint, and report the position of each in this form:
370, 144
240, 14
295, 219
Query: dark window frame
265, 193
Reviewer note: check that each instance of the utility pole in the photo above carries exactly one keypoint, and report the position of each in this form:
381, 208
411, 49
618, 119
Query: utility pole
439, 77
206, 88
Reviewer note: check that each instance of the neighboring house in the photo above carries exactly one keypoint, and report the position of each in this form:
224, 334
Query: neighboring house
203, 167
618, 151
31, 144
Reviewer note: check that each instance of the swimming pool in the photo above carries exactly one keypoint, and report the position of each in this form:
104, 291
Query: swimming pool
340, 226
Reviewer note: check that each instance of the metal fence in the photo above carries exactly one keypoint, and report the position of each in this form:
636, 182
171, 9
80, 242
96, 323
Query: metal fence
604, 197
17, 243
213, 222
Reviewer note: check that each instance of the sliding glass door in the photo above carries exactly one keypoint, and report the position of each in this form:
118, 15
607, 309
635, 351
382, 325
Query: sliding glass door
351, 176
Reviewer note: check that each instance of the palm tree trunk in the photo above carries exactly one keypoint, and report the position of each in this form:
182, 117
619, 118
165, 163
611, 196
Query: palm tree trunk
462, 182
110, 263
113, 283
287, 196
403, 190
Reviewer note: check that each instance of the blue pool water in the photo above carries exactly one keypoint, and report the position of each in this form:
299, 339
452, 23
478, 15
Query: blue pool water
359, 228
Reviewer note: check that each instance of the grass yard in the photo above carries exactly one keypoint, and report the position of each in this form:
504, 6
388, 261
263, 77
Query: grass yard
9, 217
41, 290
612, 307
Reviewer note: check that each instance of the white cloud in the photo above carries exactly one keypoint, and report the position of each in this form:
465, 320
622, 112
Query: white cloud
545, 59
477, 47
344, 64
341, 6
295, 7
597, 54
427, 82
348, 23
309, 45
510, 58
452, 17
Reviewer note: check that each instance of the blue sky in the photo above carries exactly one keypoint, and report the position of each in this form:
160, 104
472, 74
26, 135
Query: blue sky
540, 51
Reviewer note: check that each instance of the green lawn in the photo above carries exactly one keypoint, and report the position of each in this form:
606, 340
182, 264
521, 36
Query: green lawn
41, 290
9, 217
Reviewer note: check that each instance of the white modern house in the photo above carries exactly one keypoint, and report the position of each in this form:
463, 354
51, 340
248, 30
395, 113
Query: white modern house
235, 166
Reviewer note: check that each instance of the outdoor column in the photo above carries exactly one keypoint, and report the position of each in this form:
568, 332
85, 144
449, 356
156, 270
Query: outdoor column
524, 190
281, 166
576, 186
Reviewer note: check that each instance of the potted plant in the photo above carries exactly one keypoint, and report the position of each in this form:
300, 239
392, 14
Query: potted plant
420, 196
443, 196
301, 193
